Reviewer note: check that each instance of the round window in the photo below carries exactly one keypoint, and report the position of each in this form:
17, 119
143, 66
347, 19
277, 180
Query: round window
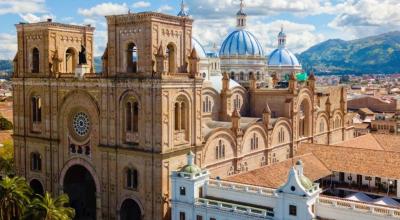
293, 188
81, 124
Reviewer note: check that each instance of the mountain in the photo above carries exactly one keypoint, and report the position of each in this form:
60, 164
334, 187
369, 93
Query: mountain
6, 66
98, 64
376, 54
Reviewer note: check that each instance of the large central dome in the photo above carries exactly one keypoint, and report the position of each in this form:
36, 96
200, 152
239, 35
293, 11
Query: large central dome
241, 43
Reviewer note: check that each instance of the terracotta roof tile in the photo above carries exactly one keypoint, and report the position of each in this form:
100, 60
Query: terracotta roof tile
366, 162
366, 141
275, 175
385, 142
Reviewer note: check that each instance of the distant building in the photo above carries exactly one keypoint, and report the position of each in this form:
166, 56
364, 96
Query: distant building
373, 103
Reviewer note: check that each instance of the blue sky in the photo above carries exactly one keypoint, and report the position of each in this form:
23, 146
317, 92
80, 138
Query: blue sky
306, 22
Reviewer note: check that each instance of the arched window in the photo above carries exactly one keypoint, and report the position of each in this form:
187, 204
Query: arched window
131, 58
258, 76
171, 53
131, 176
237, 102
241, 76
337, 122
304, 119
36, 162
35, 60
181, 114
232, 75
36, 109
207, 104
254, 142
321, 126
132, 116
70, 60
220, 150
281, 136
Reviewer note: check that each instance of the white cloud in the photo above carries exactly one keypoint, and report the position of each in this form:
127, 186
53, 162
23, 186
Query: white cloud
299, 36
22, 6
164, 8
100, 42
32, 18
141, 4
104, 9
367, 17
8, 46
222, 8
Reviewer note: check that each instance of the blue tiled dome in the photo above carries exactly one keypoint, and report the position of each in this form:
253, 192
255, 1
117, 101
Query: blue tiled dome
199, 49
282, 57
241, 42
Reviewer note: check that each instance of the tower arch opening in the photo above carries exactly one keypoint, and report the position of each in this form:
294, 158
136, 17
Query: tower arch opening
130, 210
81, 189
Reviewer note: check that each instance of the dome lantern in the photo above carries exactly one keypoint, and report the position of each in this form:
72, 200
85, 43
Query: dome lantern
282, 39
241, 17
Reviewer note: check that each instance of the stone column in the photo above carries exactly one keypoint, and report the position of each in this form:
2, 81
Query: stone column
398, 189
98, 205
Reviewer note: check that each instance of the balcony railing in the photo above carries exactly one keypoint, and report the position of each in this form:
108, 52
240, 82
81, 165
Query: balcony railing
359, 206
231, 207
241, 187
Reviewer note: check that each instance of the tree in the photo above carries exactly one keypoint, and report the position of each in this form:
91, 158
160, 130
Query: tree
7, 158
14, 197
5, 124
47, 208
7, 166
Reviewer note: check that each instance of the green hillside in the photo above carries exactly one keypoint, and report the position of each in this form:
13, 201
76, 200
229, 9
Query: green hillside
376, 54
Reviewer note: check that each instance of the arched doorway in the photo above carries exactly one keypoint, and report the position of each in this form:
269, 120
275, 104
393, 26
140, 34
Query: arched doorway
36, 187
81, 189
130, 210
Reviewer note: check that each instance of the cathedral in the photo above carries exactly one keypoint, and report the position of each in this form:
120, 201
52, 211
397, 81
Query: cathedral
111, 140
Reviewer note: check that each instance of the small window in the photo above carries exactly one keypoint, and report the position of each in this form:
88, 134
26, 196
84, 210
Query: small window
35, 60
182, 191
199, 217
36, 109
131, 178
36, 162
213, 219
292, 210
220, 150
200, 192
182, 216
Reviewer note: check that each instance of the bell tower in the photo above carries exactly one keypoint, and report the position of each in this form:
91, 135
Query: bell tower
49, 48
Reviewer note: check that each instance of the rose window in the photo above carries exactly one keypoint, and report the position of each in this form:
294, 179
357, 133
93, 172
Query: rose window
81, 124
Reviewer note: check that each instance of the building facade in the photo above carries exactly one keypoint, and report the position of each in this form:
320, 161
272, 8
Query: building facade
110, 140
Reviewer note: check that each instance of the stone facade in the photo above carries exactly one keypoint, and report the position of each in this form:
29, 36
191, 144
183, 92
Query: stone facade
129, 127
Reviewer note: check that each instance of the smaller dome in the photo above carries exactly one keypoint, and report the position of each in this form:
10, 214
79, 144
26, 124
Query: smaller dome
190, 169
283, 57
201, 53
306, 182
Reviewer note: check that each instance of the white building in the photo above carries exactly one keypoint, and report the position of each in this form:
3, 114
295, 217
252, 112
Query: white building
195, 196
265, 194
